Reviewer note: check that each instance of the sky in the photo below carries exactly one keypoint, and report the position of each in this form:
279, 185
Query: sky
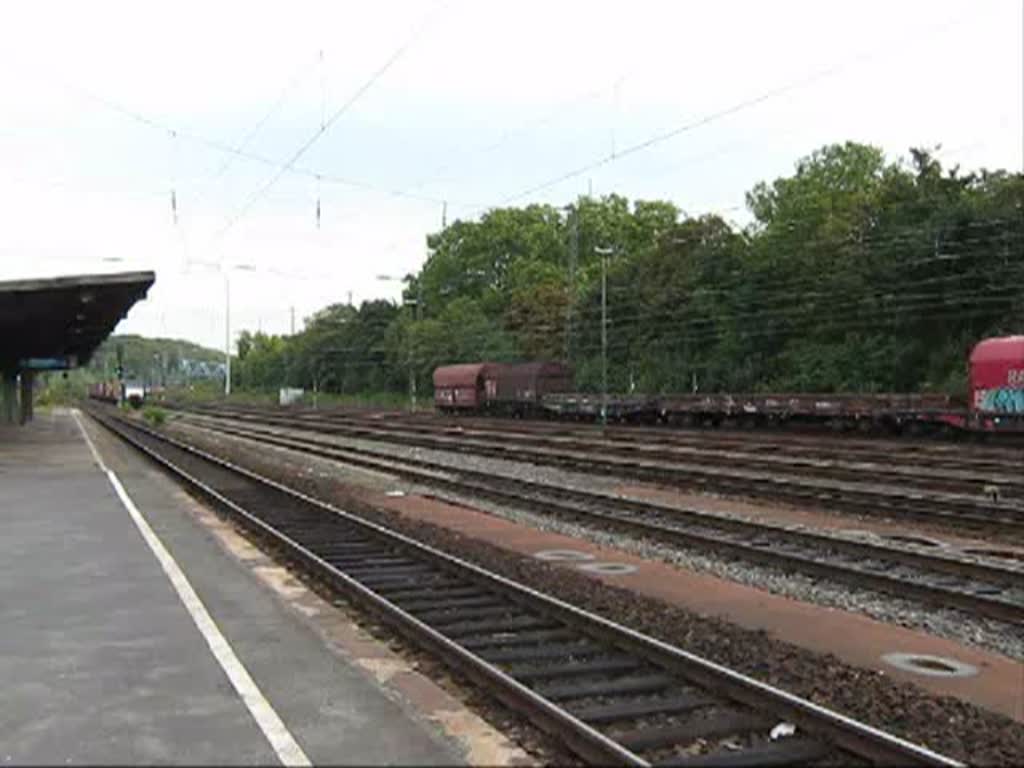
394, 113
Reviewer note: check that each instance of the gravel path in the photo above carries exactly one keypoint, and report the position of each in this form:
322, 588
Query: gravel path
948, 725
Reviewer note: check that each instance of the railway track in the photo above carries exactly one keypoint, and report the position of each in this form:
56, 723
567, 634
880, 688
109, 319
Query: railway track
987, 589
826, 446
949, 475
959, 457
608, 693
956, 511
954, 472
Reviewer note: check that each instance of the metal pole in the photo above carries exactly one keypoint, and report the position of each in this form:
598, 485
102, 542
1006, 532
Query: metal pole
412, 368
604, 340
227, 335
574, 243
8, 395
412, 382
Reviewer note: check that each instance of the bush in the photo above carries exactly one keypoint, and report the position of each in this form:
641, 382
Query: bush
156, 417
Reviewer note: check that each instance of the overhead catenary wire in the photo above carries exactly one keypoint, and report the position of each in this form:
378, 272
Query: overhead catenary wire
391, 60
664, 321
780, 285
688, 126
174, 183
618, 347
252, 133
509, 134
925, 307
633, 149
219, 146
904, 301
318, 176
667, 328
327, 178
805, 287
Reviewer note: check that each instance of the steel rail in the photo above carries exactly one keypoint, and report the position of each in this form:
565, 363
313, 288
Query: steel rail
961, 455
553, 500
780, 454
953, 510
849, 735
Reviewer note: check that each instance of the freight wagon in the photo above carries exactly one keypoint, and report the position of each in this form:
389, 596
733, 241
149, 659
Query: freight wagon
994, 402
996, 383
499, 388
866, 412
114, 391
106, 391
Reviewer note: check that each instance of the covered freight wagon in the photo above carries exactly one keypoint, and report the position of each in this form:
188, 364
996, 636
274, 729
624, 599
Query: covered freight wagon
996, 383
465, 387
521, 386
510, 388
107, 391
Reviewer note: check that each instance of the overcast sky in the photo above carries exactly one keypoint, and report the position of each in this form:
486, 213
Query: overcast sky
108, 107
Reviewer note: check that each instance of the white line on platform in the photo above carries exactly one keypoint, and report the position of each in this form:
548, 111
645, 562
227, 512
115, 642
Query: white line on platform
277, 733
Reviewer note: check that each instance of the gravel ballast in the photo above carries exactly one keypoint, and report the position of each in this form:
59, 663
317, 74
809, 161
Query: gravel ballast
948, 725
987, 634
951, 624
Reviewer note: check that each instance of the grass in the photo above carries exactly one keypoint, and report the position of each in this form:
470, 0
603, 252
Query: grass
155, 416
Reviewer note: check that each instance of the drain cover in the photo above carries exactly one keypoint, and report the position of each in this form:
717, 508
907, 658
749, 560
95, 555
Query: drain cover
563, 554
611, 569
904, 539
930, 666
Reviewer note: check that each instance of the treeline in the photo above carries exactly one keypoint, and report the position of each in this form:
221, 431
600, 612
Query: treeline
155, 362
172, 363
856, 274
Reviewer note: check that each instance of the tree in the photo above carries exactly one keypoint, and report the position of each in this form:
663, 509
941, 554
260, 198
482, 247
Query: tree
858, 274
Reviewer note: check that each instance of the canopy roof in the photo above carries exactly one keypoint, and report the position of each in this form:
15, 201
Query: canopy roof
64, 318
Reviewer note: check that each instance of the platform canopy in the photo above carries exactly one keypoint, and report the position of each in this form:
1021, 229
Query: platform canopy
58, 322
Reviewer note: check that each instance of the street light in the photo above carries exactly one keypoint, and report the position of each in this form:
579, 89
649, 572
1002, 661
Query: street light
604, 253
227, 320
416, 303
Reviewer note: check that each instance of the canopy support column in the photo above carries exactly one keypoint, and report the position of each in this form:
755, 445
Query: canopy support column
27, 380
8, 395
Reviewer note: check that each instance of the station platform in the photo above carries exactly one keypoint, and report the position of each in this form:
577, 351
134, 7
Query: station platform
105, 658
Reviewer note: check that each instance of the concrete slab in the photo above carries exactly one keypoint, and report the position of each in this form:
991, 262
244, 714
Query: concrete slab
100, 661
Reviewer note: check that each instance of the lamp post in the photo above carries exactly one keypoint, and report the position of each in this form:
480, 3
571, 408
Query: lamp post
604, 253
416, 304
572, 219
227, 320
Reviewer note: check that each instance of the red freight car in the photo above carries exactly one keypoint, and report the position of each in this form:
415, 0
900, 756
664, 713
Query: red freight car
521, 386
996, 383
995, 399
465, 387
514, 389
107, 391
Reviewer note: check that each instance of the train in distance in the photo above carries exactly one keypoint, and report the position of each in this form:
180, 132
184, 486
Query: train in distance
115, 391
994, 401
